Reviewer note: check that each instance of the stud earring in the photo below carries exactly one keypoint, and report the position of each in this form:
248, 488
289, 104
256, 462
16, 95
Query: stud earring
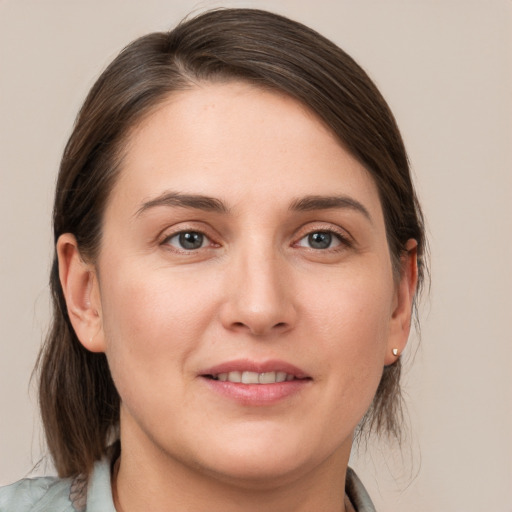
395, 352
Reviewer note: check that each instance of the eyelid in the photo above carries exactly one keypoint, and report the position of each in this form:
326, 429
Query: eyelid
344, 237
205, 241
341, 234
186, 227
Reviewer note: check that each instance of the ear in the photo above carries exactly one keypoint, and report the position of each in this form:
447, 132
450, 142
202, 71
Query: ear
81, 291
400, 323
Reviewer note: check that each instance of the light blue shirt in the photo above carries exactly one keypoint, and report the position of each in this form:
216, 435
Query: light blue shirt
52, 494
79, 494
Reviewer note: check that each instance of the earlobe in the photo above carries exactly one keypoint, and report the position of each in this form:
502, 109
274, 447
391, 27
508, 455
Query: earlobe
80, 287
401, 316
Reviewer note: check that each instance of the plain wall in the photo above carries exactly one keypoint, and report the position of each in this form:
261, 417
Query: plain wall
445, 68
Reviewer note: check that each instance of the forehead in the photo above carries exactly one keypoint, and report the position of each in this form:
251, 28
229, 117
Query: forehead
229, 138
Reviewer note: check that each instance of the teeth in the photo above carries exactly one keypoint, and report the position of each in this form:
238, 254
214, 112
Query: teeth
267, 378
234, 376
254, 377
280, 377
250, 378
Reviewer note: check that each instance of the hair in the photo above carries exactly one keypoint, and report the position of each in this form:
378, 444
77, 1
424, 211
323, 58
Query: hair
78, 399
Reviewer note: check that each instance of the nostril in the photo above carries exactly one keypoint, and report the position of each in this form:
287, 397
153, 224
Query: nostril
256, 329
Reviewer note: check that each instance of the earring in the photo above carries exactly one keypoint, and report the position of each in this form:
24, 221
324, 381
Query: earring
395, 352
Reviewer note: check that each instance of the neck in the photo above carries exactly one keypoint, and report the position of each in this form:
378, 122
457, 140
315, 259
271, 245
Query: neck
140, 484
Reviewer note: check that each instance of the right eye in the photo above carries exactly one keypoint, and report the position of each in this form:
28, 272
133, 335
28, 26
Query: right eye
188, 240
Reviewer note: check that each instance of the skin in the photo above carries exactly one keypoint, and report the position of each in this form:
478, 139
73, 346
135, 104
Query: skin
256, 289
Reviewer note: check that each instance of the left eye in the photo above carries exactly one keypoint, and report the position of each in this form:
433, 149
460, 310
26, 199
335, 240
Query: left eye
188, 240
320, 240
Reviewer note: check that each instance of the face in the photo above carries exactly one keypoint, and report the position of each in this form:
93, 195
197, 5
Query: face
244, 288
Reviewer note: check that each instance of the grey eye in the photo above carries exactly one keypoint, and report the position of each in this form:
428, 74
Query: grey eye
188, 240
320, 240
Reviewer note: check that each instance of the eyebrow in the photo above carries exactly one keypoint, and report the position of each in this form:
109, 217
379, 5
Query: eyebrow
309, 203
212, 204
194, 201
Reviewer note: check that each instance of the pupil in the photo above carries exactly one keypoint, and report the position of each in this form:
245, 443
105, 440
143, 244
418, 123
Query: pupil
320, 240
191, 240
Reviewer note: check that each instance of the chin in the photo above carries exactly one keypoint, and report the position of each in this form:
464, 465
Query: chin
263, 462
265, 472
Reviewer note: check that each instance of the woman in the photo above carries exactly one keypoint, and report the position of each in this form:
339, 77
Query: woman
238, 249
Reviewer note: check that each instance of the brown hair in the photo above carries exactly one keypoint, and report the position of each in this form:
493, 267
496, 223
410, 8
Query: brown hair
78, 399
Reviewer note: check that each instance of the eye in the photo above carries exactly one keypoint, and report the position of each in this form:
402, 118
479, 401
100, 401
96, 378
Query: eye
320, 240
188, 240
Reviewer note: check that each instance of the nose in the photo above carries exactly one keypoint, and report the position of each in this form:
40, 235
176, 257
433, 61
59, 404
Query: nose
259, 298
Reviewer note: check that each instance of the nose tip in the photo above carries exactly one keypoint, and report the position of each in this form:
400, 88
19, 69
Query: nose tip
259, 301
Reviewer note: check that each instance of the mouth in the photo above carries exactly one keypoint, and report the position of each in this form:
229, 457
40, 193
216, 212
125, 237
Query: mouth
251, 377
256, 383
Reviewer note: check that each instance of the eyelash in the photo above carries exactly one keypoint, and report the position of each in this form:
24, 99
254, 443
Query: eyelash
333, 234
205, 239
343, 240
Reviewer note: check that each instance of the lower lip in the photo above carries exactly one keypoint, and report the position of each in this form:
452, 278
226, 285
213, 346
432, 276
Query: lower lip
257, 394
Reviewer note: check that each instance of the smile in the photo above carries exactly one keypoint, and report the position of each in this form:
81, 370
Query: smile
248, 377
256, 383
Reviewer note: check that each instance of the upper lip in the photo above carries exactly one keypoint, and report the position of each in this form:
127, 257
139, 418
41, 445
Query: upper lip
247, 365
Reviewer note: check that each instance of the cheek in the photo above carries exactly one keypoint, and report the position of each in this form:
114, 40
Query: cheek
151, 322
351, 321
353, 310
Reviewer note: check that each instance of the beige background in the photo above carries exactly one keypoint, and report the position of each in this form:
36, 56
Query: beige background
446, 69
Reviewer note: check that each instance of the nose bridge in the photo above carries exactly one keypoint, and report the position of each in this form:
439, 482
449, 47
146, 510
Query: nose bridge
260, 298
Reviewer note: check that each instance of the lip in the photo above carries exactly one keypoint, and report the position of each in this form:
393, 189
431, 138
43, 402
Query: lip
241, 365
256, 395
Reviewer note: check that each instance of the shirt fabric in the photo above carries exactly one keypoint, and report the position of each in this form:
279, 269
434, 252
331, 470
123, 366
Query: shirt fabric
94, 494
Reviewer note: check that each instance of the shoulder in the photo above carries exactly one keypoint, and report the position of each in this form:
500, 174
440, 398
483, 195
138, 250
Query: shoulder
52, 494
357, 493
37, 494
